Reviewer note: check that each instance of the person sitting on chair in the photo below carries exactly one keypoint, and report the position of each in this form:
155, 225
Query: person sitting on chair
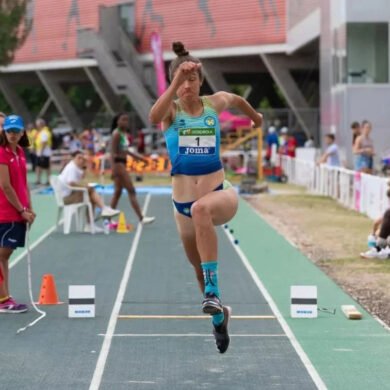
72, 176
379, 239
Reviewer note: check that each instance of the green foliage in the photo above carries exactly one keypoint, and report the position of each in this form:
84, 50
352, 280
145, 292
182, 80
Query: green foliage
33, 96
239, 89
264, 103
280, 95
4, 106
81, 96
13, 28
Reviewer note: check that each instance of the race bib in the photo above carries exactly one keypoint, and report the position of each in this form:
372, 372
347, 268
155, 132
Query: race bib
200, 141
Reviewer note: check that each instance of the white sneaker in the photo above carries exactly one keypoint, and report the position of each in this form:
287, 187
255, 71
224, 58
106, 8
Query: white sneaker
147, 220
98, 229
374, 254
108, 212
384, 253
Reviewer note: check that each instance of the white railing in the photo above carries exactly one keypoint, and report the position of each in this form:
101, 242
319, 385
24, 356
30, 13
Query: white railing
358, 191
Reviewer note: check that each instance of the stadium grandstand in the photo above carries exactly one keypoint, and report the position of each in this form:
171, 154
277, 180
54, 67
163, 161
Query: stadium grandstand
268, 50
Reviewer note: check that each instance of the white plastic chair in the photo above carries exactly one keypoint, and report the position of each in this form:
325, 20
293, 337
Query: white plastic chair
76, 209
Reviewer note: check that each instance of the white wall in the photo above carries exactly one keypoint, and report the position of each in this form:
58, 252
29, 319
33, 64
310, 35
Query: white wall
359, 102
367, 10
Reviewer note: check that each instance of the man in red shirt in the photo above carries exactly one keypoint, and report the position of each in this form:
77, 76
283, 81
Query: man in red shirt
15, 205
288, 144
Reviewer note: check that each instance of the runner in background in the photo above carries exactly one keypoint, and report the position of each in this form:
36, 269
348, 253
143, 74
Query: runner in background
119, 153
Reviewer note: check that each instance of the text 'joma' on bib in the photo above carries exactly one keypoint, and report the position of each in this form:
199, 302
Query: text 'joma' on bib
200, 141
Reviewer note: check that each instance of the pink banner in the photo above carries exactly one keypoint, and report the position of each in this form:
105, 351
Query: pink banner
357, 190
155, 43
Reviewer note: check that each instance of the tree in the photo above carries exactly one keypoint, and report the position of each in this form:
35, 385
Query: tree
14, 28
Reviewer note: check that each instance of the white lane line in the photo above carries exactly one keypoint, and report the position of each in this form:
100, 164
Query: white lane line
32, 246
101, 362
188, 317
382, 323
299, 350
191, 335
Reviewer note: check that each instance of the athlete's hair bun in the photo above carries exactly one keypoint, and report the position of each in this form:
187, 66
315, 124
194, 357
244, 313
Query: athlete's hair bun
179, 49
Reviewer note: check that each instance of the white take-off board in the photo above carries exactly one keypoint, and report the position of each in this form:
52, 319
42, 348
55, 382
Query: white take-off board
303, 301
81, 302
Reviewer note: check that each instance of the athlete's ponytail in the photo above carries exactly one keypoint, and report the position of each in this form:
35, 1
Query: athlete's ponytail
183, 55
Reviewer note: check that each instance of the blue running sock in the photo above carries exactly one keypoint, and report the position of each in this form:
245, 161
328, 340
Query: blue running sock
218, 319
210, 276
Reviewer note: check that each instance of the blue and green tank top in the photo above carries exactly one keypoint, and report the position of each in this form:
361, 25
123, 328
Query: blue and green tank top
193, 142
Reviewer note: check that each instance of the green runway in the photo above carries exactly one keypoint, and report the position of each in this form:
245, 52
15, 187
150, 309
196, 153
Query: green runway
145, 273
347, 354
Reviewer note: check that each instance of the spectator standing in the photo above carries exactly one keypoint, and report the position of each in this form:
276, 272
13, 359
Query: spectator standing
31, 151
15, 204
309, 143
271, 140
355, 127
74, 142
363, 148
331, 155
88, 138
141, 142
289, 143
44, 141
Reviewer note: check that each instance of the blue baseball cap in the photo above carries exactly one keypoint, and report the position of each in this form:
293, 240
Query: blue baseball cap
13, 122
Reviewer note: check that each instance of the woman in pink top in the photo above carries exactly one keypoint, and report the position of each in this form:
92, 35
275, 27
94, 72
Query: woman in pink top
15, 204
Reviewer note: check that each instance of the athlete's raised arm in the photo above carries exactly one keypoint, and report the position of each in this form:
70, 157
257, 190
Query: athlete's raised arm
164, 108
224, 100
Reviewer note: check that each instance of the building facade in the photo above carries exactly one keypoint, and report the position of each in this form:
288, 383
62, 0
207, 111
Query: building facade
106, 44
354, 67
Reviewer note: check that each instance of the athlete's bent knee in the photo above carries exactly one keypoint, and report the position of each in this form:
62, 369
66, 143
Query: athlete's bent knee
199, 210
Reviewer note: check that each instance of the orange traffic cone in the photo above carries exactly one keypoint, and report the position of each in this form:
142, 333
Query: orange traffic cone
122, 226
48, 294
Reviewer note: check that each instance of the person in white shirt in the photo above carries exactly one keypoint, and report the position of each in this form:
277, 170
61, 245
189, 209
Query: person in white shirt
331, 155
309, 143
72, 176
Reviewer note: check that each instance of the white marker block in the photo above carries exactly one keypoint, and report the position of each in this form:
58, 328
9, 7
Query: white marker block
303, 301
81, 302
